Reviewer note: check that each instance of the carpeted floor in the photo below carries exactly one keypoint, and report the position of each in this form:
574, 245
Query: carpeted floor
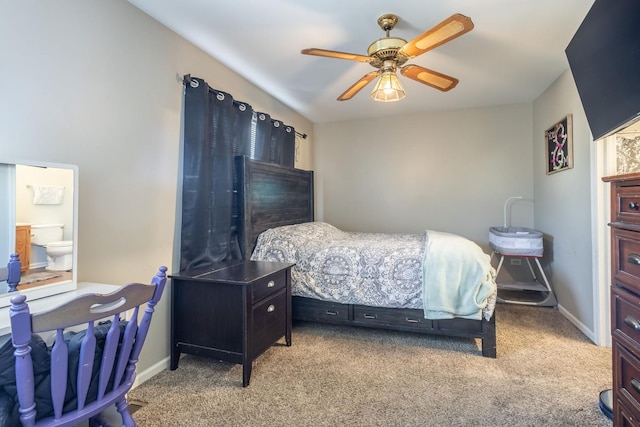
547, 373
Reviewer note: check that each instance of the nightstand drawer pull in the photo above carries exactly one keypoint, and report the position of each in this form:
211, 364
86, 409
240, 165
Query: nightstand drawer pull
370, 316
331, 313
632, 322
271, 284
634, 206
635, 384
634, 259
271, 308
412, 320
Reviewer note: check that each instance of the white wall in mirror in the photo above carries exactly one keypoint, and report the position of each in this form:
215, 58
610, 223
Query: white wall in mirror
36, 194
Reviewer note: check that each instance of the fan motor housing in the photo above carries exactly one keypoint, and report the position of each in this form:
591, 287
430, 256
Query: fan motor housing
385, 49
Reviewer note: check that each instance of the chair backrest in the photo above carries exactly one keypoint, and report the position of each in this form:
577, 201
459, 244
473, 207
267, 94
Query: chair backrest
11, 274
98, 362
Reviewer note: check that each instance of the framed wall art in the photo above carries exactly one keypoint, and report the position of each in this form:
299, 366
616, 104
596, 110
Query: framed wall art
559, 146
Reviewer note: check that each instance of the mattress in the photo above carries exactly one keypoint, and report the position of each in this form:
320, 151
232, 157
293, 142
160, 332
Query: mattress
373, 269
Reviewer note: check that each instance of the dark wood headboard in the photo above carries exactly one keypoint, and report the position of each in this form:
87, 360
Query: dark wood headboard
270, 196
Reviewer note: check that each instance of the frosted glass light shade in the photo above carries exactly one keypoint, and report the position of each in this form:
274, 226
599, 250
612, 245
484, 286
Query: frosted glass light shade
388, 88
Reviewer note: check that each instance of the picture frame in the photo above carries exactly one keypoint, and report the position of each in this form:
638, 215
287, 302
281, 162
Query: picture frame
559, 145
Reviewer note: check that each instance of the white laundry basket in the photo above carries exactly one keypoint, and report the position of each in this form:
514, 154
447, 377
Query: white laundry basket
516, 241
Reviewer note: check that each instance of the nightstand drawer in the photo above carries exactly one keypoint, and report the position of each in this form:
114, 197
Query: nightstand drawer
268, 285
269, 322
627, 384
626, 258
626, 316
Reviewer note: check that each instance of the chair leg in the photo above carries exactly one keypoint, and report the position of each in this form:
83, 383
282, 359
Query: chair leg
123, 408
98, 421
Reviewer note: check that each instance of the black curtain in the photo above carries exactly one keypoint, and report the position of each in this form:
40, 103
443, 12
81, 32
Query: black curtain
274, 141
217, 128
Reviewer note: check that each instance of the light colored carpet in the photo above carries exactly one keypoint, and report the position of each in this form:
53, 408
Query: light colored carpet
547, 373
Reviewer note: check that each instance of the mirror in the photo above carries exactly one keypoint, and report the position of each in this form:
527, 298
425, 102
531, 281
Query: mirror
38, 220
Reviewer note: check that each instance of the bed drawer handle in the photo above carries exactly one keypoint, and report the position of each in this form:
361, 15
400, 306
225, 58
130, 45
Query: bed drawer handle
331, 313
412, 320
271, 284
635, 384
634, 259
632, 322
370, 316
271, 308
633, 205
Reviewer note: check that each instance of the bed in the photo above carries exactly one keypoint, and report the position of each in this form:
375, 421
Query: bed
276, 223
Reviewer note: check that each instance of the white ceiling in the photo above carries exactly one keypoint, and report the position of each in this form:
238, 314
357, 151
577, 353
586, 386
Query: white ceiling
514, 52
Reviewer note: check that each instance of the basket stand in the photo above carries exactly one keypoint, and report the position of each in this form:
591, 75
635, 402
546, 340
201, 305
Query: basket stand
538, 286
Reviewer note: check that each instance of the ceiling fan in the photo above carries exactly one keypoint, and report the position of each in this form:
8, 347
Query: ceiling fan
389, 54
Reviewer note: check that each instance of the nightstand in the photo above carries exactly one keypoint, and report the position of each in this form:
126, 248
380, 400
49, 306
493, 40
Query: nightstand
231, 311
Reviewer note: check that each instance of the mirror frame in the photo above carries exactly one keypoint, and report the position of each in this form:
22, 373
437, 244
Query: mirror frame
47, 290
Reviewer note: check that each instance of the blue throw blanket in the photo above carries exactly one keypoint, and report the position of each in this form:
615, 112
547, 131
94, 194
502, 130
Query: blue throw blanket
457, 277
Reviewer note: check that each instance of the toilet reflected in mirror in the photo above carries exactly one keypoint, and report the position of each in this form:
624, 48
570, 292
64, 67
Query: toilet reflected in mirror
38, 215
59, 252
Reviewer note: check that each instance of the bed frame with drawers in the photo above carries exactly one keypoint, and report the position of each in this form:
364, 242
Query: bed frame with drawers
270, 196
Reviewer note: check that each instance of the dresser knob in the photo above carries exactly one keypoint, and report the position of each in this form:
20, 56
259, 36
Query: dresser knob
634, 259
271, 308
633, 205
271, 284
636, 384
632, 322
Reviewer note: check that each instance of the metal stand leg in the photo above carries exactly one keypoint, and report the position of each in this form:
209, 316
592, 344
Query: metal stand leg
540, 288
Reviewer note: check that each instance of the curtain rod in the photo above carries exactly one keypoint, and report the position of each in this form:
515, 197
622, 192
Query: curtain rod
186, 79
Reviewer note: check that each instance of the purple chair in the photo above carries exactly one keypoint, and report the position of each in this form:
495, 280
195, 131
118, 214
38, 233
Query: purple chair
105, 362
12, 274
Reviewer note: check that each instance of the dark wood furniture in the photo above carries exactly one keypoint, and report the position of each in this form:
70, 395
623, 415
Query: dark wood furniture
270, 196
625, 297
232, 311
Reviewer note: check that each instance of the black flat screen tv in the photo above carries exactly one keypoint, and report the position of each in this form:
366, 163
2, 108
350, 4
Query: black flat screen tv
604, 58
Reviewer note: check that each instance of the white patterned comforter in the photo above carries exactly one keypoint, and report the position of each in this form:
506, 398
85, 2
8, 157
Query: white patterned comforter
373, 269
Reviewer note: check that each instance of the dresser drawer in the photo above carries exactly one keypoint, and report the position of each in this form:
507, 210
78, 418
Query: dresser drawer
625, 198
627, 383
625, 260
268, 285
625, 308
624, 417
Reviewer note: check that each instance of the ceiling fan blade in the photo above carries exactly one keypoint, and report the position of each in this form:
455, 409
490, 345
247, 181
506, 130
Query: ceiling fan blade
429, 77
452, 27
357, 86
335, 54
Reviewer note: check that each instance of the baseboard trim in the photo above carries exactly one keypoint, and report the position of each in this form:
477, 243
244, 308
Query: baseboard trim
581, 326
147, 374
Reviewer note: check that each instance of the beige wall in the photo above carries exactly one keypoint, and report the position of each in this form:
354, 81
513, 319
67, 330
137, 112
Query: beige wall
98, 84
564, 202
448, 171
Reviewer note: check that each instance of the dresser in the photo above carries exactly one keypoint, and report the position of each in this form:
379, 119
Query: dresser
625, 297
231, 311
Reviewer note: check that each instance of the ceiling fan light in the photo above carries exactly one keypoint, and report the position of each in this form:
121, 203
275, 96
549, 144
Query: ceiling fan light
388, 88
